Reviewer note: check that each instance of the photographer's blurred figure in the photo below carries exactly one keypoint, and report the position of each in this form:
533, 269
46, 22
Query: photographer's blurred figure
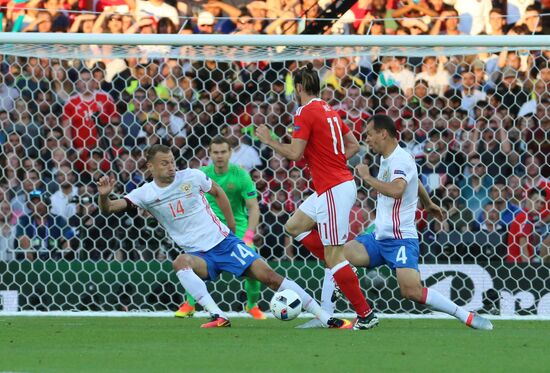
62, 201
40, 233
96, 233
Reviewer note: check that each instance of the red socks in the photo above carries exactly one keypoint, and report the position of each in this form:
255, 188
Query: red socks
313, 243
349, 284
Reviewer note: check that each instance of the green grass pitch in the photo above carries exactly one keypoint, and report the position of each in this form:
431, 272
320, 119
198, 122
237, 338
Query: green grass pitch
86, 344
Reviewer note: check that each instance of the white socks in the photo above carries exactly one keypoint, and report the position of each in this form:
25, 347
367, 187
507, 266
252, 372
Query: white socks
438, 302
308, 303
197, 288
326, 294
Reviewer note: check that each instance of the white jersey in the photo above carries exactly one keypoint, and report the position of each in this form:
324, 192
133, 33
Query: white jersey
182, 209
395, 218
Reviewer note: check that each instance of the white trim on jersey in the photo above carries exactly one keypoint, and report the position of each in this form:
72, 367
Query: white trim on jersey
299, 110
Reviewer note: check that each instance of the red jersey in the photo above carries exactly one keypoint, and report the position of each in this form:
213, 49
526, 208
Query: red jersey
521, 227
318, 124
542, 184
80, 116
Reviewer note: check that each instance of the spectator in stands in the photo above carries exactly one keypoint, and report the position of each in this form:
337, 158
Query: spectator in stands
446, 23
243, 153
340, 75
63, 200
433, 170
108, 22
474, 14
490, 220
157, 9
394, 73
459, 216
497, 22
205, 23
40, 233
8, 222
97, 234
521, 235
83, 113
8, 93
510, 93
493, 149
434, 73
30, 182
475, 186
470, 94
532, 20
83, 23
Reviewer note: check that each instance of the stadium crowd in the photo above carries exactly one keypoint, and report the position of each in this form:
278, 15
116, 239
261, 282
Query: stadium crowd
477, 125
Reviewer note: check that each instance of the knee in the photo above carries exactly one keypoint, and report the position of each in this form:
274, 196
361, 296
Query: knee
413, 293
292, 229
272, 280
182, 261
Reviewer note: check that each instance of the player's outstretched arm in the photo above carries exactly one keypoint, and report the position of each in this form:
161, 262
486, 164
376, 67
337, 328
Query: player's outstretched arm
223, 203
351, 145
427, 203
394, 189
105, 186
293, 151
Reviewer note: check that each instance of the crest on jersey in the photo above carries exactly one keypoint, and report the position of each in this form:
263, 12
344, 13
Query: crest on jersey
186, 188
386, 176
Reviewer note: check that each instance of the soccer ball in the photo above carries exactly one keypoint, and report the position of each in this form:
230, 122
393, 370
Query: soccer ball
286, 305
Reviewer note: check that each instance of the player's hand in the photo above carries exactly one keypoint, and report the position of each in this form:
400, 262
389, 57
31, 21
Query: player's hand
262, 132
363, 171
435, 210
248, 238
105, 185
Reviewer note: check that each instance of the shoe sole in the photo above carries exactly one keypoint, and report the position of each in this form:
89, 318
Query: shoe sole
188, 316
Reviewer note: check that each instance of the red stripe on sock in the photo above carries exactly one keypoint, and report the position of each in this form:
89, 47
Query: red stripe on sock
424, 296
470, 319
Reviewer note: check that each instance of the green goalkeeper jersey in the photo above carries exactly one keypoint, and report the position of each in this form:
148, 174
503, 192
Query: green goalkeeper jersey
239, 187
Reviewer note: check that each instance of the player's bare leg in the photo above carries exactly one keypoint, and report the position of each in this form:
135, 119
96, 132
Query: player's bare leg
355, 253
411, 288
262, 272
191, 271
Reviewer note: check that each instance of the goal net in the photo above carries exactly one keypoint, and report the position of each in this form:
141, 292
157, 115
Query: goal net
474, 112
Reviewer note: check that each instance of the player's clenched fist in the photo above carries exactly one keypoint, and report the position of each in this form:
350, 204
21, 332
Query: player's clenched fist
105, 185
363, 171
262, 132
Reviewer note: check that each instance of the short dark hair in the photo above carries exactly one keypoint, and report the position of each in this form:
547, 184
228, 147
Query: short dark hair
154, 149
309, 79
383, 122
219, 140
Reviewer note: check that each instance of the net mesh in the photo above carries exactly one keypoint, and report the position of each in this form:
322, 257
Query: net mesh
247, 54
478, 126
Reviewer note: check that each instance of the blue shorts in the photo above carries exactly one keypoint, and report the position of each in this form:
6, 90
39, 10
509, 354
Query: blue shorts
231, 255
395, 253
